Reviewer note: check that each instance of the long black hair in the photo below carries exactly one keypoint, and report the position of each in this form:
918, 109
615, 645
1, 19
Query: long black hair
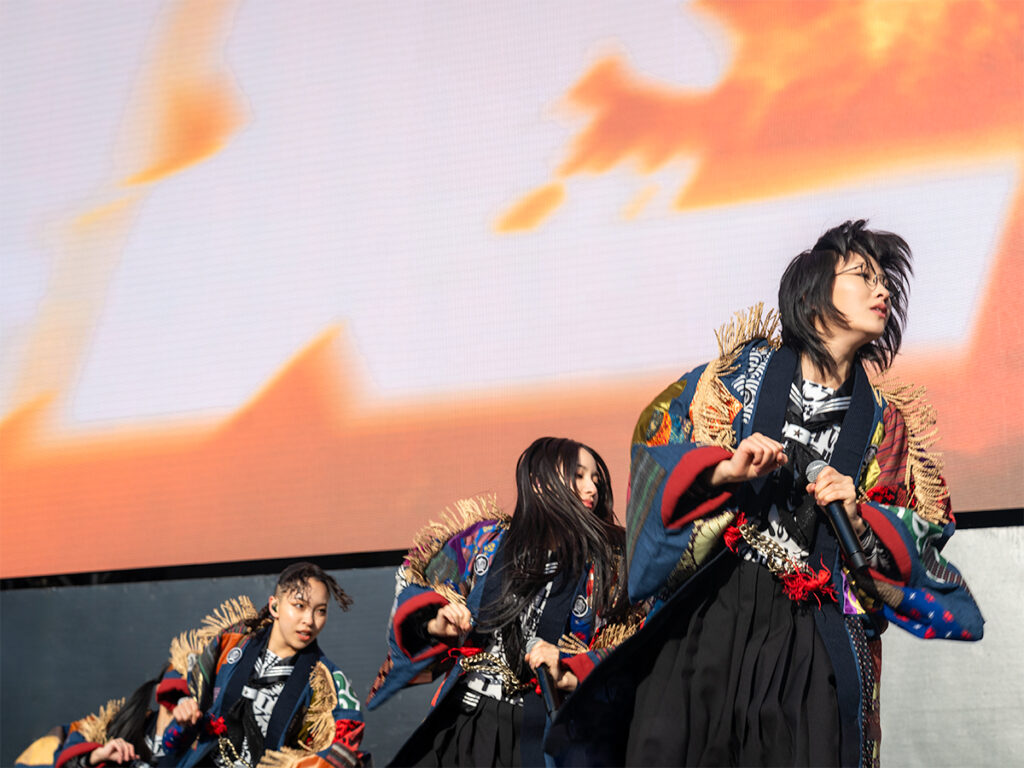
805, 293
551, 524
132, 720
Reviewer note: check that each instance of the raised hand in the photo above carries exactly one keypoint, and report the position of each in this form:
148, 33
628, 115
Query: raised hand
451, 621
755, 456
186, 711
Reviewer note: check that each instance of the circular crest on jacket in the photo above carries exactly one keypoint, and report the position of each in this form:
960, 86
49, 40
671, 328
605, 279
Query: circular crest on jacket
580, 607
480, 564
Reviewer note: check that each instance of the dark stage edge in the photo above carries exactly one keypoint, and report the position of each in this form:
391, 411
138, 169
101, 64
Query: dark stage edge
384, 558
989, 518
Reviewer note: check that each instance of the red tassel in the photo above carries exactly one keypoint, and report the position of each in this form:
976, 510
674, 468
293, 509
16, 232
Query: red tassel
799, 586
462, 652
732, 534
216, 726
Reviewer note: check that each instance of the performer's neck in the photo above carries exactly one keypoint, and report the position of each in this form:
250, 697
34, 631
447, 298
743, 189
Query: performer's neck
832, 380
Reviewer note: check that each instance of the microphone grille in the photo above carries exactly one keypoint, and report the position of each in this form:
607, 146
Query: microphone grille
813, 469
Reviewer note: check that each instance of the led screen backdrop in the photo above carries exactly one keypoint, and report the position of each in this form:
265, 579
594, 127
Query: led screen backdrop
283, 279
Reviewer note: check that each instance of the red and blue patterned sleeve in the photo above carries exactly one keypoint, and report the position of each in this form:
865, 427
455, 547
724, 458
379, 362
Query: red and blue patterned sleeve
924, 593
413, 656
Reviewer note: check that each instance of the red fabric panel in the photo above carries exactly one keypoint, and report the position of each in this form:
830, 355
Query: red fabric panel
683, 476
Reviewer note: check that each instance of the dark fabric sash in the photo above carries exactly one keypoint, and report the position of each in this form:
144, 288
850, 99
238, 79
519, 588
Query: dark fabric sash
854, 435
551, 627
773, 400
288, 701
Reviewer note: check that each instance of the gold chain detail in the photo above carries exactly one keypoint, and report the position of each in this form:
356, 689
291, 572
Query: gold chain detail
221, 741
488, 662
778, 559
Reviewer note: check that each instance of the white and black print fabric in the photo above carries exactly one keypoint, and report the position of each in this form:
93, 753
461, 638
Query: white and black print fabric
271, 673
748, 383
822, 410
811, 430
490, 684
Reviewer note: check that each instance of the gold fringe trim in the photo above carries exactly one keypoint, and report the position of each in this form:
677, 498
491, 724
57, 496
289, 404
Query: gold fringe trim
194, 641
432, 537
924, 466
748, 324
286, 757
572, 645
319, 720
94, 727
449, 594
608, 636
714, 406
618, 632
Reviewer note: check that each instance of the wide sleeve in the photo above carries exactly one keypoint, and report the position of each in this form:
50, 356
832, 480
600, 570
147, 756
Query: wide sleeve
197, 681
907, 507
86, 735
348, 719
666, 494
439, 569
74, 749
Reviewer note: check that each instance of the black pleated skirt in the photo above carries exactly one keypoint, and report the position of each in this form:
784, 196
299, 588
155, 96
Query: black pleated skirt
457, 735
743, 680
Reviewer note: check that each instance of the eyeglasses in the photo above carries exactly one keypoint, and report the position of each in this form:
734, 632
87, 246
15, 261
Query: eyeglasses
871, 279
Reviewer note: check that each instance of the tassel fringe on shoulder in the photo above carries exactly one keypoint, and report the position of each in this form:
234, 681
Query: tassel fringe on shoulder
192, 642
94, 727
924, 466
432, 537
713, 406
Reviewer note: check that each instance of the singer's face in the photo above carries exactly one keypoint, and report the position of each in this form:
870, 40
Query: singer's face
299, 616
859, 291
587, 477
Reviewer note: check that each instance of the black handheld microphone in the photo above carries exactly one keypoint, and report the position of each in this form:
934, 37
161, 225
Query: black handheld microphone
544, 680
845, 535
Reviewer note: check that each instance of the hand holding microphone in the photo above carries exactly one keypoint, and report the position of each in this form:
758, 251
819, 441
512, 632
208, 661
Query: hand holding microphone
542, 656
837, 496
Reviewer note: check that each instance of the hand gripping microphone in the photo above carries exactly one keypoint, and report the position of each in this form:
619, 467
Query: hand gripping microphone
544, 680
848, 541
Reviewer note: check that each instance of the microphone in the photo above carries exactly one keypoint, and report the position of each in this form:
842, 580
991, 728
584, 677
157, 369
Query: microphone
845, 535
544, 680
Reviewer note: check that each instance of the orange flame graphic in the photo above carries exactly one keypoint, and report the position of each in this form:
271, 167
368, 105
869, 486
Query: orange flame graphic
857, 85
827, 92
816, 93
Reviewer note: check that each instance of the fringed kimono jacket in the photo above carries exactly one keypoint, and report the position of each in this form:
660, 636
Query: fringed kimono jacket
315, 720
683, 539
461, 560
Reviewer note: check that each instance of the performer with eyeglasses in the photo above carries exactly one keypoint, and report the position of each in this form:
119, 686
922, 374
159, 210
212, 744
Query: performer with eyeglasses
763, 645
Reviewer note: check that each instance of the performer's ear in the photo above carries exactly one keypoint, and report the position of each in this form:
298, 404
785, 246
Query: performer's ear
273, 607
